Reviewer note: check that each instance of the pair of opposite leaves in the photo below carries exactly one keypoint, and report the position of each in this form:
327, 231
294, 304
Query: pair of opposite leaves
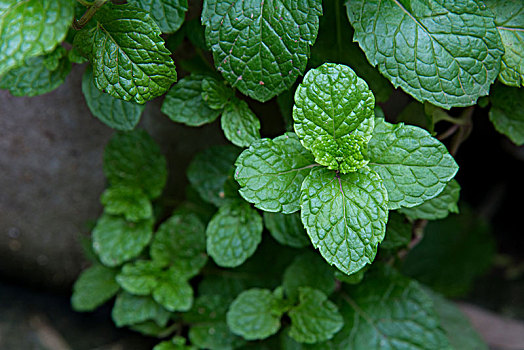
344, 168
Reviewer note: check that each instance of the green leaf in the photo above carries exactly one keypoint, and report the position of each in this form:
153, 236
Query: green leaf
457, 326
414, 165
94, 286
181, 242
454, 252
241, 126
215, 93
128, 55
208, 328
345, 216
287, 229
438, 207
132, 309
128, 201
184, 103
388, 311
509, 19
315, 319
177, 343
354, 278
261, 48
140, 277
271, 172
134, 159
308, 270
507, 112
398, 232
116, 240
195, 32
30, 28
255, 314
33, 77
114, 112
334, 45
210, 170
233, 234
168, 14
334, 116
449, 63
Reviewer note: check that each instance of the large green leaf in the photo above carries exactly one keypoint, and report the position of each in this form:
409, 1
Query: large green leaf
414, 166
30, 28
116, 240
345, 216
168, 14
261, 46
181, 242
444, 52
255, 314
33, 77
234, 233
315, 319
114, 112
94, 286
134, 159
211, 170
128, 201
287, 229
507, 112
128, 55
241, 126
184, 103
509, 18
271, 173
334, 116
388, 311
437, 207
132, 309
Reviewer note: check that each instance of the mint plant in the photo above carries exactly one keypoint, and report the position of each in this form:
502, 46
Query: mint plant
318, 222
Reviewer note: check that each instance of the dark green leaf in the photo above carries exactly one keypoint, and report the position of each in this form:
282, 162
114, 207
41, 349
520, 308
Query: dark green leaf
215, 93
287, 229
398, 232
168, 14
240, 125
507, 112
177, 343
94, 286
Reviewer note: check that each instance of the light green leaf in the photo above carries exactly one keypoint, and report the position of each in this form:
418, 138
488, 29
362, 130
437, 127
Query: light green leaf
114, 112
271, 172
30, 28
398, 232
509, 19
438, 207
261, 47
177, 343
233, 234
33, 77
173, 291
255, 314
241, 126
315, 319
507, 112
208, 328
414, 165
116, 240
94, 286
210, 170
388, 311
449, 63
453, 253
308, 270
334, 116
181, 242
345, 216
134, 159
215, 93
168, 14
184, 103
132, 309
128, 55
128, 201
287, 229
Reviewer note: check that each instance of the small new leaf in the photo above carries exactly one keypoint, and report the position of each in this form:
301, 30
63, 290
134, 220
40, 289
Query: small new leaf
413, 165
315, 319
240, 125
233, 234
95, 286
345, 216
128, 201
271, 172
215, 93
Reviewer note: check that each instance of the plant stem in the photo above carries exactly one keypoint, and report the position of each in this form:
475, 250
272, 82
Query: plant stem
90, 12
